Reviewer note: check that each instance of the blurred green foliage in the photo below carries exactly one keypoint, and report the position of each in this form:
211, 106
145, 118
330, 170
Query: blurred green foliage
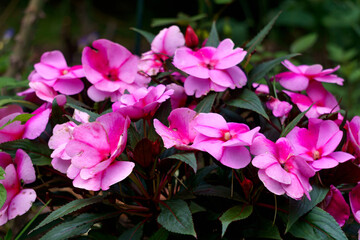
324, 31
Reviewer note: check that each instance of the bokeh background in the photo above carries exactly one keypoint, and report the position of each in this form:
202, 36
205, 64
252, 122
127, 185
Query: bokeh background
324, 31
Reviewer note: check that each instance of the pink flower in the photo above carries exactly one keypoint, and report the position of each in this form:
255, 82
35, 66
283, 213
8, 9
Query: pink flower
299, 76
178, 98
335, 204
281, 170
180, 133
111, 68
318, 143
279, 108
353, 138
324, 102
224, 141
53, 75
143, 102
15, 130
62, 134
18, 200
211, 68
93, 148
354, 197
162, 47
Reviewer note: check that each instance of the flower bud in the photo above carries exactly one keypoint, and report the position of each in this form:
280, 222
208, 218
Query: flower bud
191, 39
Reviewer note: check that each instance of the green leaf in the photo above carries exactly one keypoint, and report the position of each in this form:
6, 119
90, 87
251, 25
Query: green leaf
261, 35
8, 235
2, 195
9, 83
148, 36
134, 233
249, 100
2, 173
133, 136
23, 118
182, 19
175, 216
38, 152
317, 224
24, 103
223, 1
195, 208
217, 191
161, 234
188, 158
293, 123
262, 228
93, 116
234, 214
299, 208
213, 39
206, 104
69, 208
260, 71
77, 226
31, 221
304, 43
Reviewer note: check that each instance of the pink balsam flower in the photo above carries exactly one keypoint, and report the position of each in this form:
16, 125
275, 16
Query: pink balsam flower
224, 141
18, 200
279, 108
52, 75
180, 133
323, 101
211, 68
354, 197
299, 76
143, 102
335, 204
111, 68
281, 171
162, 47
317, 144
93, 150
15, 130
353, 135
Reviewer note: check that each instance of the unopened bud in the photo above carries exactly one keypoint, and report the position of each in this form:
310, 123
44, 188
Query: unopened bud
191, 39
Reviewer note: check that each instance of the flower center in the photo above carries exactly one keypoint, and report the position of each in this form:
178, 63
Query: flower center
316, 155
64, 72
227, 136
113, 75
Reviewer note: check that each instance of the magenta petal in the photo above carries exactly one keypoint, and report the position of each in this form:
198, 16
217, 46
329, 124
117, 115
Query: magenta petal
227, 56
190, 62
341, 156
197, 86
60, 164
293, 81
324, 163
294, 190
72, 172
235, 157
5, 159
87, 173
212, 146
92, 184
261, 145
337, 206
211, 124
54, 58
116, 172
272, 185
83, 155
47, 71
354, 197
168, 40
221, 78
237, 76
264, 160
69, 86
37, 124
276, 172
97, 95
21, 203
24, 167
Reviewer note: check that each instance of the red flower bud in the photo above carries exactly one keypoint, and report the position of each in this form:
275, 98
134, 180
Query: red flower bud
191, 39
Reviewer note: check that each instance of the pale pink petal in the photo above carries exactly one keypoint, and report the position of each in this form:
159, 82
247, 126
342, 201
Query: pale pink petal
87, 173
237, 76
221, 78
324, 163
43, 91
197, 86
295, 189
290, 66
235, 157
272, 185
37, 124
116, 172
24, 167
69, 86
72, 172
264, 160
227, 56
168, 40
83, 155
96, 95
341, 156
262, 145
54, 58
92, 184
276, 172
212, 146
211, 124
21, 203
190, 62
60, 164
293, 81
313, 69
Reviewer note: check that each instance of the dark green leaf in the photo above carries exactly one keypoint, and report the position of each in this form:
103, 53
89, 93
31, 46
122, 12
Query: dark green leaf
148, 36
223, 1
261, 35
249, 100
262, 229
38, 152
69, 208
161, 234
299, 208
93, 116
188, 158
293, 123
304, 43
24, 103
10, 83
195, 208
23, 118
2, 195
213, 39
198, 178
260, 71
134, 233
133, 136
8, 235
206, 104
175, 216
182, 19
77, 226
317, 224
217, 191
234, 214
